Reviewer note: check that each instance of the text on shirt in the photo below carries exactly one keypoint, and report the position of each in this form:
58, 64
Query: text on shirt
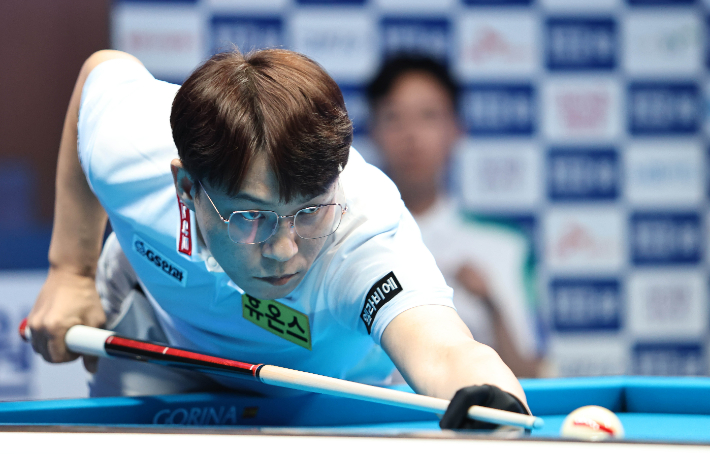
168, 267
383, 291
279, 319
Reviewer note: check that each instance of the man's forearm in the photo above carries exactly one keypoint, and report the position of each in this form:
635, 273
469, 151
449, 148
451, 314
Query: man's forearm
473, 363
436, 354
79, 218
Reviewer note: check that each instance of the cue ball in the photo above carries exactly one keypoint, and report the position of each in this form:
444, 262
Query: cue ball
592, 423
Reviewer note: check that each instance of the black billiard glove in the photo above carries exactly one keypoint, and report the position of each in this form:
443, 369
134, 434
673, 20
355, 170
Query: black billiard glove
485, 396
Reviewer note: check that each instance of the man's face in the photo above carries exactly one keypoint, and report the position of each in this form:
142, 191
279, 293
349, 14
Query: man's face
415, 128
267, 270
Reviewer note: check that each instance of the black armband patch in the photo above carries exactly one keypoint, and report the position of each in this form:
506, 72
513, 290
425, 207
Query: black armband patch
383, 291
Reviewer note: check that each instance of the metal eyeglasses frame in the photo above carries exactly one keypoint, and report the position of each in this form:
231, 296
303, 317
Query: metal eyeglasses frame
344, 209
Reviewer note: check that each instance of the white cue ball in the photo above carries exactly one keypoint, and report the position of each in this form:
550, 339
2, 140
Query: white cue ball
592, 423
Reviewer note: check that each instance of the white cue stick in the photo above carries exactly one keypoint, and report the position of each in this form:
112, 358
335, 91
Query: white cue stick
85, 340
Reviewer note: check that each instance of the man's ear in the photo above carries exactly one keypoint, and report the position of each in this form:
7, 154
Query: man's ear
184, 185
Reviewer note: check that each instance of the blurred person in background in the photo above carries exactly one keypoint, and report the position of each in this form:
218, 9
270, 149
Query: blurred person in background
414, 125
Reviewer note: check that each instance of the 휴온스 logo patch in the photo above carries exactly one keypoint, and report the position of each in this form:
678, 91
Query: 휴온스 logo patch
278, 319
383, 291
167, 266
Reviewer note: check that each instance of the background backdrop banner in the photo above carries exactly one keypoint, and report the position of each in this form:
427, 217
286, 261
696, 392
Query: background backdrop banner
586, 129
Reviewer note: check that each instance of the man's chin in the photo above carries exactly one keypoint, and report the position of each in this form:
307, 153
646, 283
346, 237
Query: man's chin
268, 291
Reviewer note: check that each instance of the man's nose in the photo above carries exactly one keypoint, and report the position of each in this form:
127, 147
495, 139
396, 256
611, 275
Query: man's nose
282, 244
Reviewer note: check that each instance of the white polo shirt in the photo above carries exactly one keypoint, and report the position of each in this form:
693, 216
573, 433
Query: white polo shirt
371, 269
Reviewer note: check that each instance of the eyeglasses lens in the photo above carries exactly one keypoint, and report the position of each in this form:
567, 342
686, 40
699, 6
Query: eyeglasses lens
252, 226
249, 227
318, 222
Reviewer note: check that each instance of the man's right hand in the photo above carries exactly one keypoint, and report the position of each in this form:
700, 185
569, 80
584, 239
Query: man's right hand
66, 299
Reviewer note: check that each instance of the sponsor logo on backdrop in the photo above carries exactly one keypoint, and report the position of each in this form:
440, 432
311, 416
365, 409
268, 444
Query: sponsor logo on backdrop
586, 304
581, 44
664, 173
499, 175
358, 109
660, 2
587, 109
496, 44
344, 43
491, 44
409, 6
663, 108
499, 109
583, 5
585, 240
331, 2
583, 174
662, 44
583, 110
168, 39
497, 2
666, 238
247, 33
580, 355
430, 36
141, 41
667, 304
246, 5
669, 358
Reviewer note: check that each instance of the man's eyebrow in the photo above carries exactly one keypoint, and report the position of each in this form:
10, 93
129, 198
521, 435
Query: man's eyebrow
258, 201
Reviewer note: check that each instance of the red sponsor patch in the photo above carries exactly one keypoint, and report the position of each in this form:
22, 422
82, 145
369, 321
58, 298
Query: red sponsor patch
185, 240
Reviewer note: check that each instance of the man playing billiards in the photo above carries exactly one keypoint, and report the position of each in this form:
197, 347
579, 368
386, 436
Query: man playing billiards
245, 226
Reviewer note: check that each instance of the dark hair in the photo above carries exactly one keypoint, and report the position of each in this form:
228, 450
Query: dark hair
272, 101
398, 65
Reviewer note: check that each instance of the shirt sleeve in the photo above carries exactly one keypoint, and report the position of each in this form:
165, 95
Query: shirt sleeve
124, 137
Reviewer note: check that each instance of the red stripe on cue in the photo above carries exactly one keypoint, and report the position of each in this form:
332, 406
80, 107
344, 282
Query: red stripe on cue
168, 351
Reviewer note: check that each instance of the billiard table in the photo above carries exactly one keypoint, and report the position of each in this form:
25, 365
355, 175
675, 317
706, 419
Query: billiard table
655, 412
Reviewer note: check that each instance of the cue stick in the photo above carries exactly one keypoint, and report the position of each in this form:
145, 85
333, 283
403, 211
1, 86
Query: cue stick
86, 340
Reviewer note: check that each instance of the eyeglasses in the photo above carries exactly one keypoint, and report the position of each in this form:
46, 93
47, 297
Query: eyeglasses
257, 226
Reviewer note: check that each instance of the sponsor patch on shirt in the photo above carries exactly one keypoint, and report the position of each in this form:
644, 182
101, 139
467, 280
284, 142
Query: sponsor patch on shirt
163, 264
184, 234
383, 291
279, 319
